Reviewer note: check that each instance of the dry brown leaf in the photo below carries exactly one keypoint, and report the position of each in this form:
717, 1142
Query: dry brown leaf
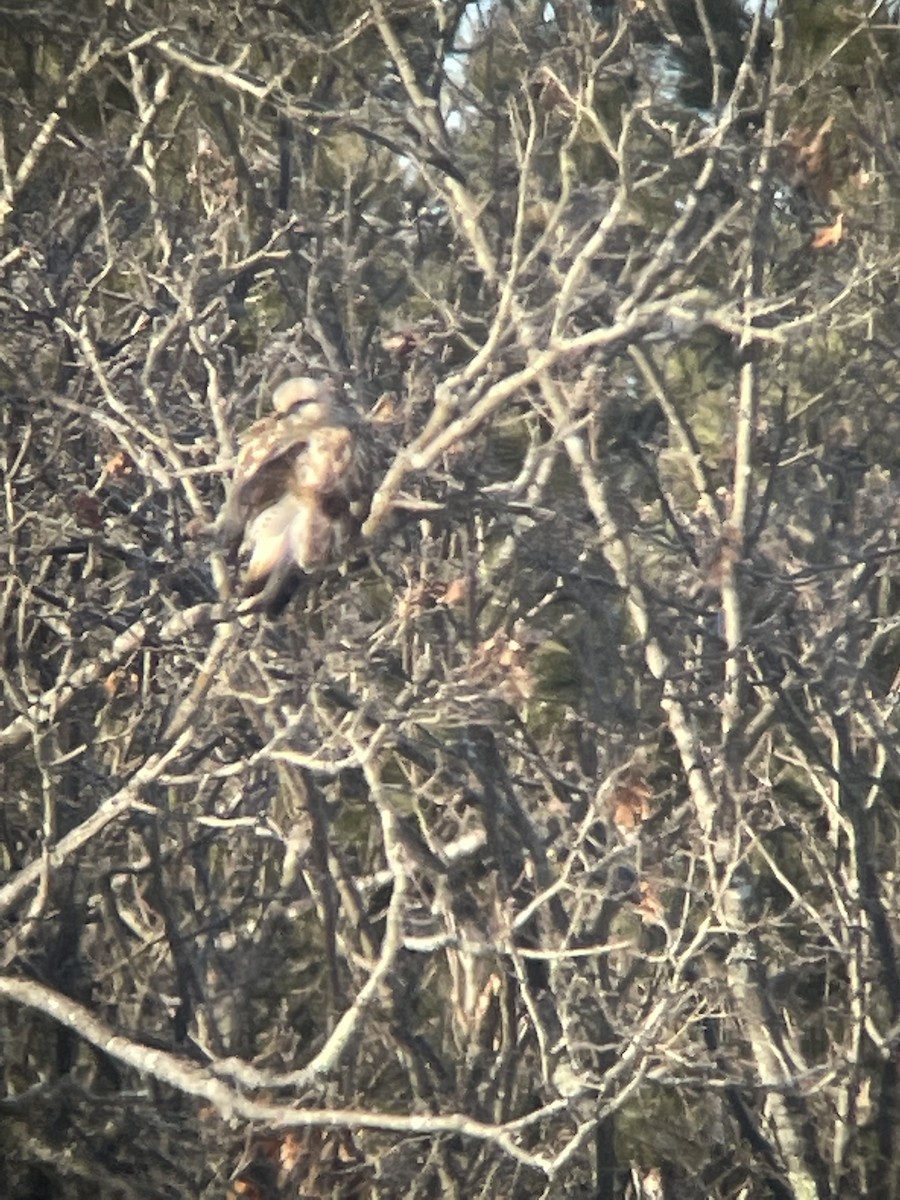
87, 511
650, 906
121, 682
629, 801
118, 465
455, 592
723, 555
503, 663
386, 410
289, 1151
807, 153
303, 1162
246, 1190
830, 235
550, 92
414, 599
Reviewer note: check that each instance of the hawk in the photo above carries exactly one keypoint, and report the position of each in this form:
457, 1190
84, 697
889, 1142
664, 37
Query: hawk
295, 495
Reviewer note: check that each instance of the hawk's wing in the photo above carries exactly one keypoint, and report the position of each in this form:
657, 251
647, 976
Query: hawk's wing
273, 437
262, 473
328, 463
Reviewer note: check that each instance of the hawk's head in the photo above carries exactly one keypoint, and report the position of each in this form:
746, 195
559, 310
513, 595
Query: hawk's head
306, 393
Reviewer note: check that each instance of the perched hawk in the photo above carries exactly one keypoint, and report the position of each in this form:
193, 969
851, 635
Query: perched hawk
295, 497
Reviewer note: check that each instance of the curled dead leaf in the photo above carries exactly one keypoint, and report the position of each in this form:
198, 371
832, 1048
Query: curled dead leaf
118, 465
808, 156
303, 1162
121, 682
503, 663
650, 905
629, 801
829, 235
87, 511
386, 410
455, 592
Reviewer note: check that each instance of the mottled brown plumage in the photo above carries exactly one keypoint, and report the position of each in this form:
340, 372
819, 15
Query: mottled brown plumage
295, 495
